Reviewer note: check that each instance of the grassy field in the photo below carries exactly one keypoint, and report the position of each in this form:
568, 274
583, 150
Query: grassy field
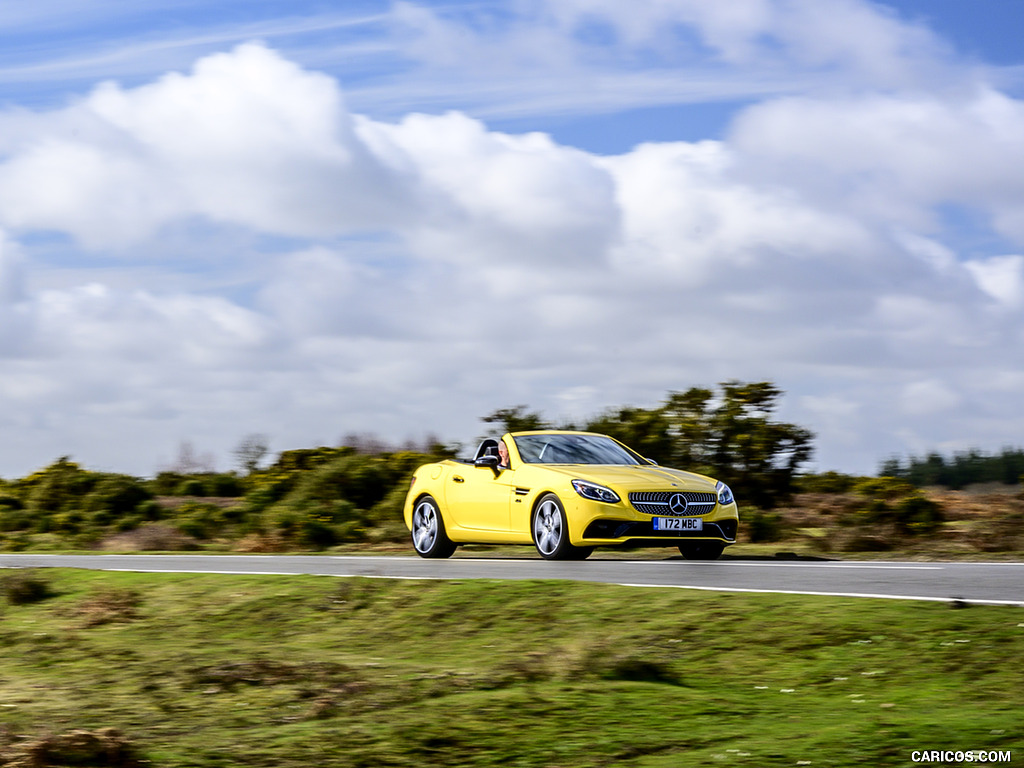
199, 670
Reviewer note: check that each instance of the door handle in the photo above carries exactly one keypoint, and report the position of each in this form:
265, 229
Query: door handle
458, 479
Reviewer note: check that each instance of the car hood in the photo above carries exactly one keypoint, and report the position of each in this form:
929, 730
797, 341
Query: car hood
634, 478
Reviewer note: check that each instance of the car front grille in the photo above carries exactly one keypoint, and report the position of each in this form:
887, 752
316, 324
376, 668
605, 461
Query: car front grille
657, 502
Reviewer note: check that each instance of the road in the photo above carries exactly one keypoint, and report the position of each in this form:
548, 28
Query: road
981, 583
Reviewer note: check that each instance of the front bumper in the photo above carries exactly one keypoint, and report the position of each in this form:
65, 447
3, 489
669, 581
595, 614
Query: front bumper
596, 524
719, 530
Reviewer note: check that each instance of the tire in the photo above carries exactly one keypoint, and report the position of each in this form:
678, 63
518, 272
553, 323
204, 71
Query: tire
429, 537
702, 550
551, 531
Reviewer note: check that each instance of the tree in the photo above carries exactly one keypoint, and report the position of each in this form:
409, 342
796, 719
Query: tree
188, 463
731, 436
515, 419
649, 432
251, 451
749, 449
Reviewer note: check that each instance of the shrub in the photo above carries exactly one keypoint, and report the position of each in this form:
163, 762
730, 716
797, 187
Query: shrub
58, 485
917, 514
827, 482
1003, 534
764, 527
25, 586
883, 488
362, 480
114, 496
14, 519
7, 501
104, 747
150, 510
199, 519
191, 487
317, 525
228, 485
68, 522
166, 483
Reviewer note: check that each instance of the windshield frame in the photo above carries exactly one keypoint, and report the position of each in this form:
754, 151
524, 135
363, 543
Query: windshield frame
606, 448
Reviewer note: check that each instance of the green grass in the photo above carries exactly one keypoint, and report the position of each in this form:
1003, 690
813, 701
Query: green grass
199, 670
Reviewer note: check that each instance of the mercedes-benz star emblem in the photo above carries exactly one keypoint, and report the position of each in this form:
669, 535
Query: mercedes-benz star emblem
677, 504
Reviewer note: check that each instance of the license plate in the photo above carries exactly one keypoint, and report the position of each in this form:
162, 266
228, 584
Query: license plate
678, 524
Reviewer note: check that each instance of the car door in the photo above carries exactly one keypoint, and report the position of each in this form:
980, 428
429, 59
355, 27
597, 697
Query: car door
477, 500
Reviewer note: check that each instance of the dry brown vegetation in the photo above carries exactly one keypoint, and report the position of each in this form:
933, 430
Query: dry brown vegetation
978, 522
103, 748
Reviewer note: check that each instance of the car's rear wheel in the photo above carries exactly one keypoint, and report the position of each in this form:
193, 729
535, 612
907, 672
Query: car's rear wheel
428, 533
551, 532
701, 550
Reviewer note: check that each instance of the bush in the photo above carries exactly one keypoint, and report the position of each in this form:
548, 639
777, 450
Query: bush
68, 522
114, 496
1003, 534
362, 480
764, 527
61, 484
14, 519
7, 501
317, 525
916, 514
25, 586
198, 519
883, 488
166, 483
226, 485
386, 516
208, 484
104, 747
827, 482
190, 487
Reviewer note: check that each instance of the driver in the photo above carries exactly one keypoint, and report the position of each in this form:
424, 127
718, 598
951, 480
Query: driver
502, 455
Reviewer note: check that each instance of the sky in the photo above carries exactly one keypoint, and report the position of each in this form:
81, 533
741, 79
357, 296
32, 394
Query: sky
309, 219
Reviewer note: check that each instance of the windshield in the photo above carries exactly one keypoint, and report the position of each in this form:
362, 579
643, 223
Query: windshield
573, 449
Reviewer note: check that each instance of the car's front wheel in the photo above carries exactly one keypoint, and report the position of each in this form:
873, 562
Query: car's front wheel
428, 534
701, 550
551, 532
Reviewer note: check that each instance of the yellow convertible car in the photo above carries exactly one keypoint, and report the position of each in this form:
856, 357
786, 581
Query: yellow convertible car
566, 493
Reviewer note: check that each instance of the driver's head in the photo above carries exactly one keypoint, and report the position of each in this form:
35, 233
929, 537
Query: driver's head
502, 452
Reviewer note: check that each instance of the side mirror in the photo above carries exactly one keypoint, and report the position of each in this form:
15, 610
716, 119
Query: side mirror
488, 461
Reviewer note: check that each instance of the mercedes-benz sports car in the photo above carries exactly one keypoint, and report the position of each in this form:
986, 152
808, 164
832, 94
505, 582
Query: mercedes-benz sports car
566, 493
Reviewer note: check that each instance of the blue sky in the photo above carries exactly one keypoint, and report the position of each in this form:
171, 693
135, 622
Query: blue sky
307, 219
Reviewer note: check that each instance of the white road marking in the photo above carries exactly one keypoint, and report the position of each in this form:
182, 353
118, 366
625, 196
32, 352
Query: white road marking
832, 594
725, 564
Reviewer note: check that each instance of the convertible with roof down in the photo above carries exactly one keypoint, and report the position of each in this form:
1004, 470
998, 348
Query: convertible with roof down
566, 493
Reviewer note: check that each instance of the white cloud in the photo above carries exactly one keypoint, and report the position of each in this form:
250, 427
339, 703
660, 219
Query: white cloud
891, 158
929, 397
688, 215
247, 138
1001, 277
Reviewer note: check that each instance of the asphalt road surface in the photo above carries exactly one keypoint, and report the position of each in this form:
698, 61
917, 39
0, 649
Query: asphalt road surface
985, 583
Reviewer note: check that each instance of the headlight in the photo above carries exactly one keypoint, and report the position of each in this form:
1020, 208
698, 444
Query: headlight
724, 493
595, 492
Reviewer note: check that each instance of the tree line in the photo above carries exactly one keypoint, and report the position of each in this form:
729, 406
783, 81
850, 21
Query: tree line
962, 469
